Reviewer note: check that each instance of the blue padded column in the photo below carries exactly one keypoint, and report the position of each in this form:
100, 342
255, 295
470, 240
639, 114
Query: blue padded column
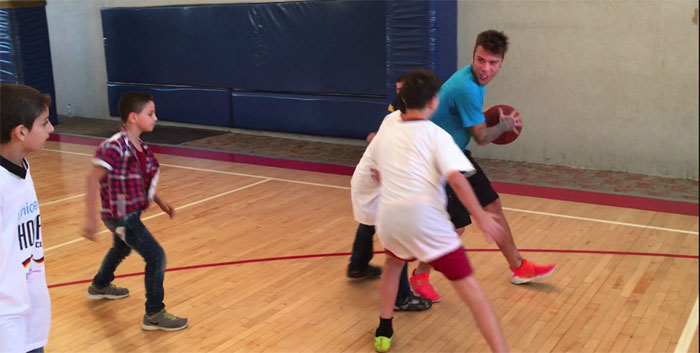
420, 34
25, 55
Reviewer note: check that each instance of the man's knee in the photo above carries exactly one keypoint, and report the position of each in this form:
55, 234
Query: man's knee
494, 207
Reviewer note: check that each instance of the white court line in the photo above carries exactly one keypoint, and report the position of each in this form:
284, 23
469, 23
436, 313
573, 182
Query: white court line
689, 331
348, 188
602, 221
221, 172
257, 176
61, 200
67, 152
69, 242
505, 208
162, 213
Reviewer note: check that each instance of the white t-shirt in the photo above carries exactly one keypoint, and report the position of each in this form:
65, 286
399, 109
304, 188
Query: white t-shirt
413, 158
24, 296
364, 191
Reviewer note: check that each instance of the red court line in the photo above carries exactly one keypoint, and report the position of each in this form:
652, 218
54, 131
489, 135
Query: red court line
222, 156
295, 257
597, 198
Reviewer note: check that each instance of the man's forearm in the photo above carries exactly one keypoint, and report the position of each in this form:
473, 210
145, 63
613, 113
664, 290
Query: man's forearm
487, 134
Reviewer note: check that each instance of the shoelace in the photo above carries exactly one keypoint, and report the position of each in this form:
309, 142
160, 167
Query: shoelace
169, 316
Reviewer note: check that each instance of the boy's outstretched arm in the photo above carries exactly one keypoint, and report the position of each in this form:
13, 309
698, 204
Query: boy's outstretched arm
492, 230
93, 180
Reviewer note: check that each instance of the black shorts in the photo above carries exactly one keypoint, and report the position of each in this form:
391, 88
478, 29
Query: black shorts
482, 188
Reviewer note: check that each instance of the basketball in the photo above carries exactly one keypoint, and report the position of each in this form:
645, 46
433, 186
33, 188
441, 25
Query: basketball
492, 119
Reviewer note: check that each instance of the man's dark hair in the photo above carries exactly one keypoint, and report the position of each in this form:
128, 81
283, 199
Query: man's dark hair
133, 102
492, 41
19, 105
419, 87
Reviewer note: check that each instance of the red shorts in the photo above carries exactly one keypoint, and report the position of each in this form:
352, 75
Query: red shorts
454, 265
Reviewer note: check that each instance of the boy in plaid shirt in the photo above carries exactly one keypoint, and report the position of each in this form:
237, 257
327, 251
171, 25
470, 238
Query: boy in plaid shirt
127, 173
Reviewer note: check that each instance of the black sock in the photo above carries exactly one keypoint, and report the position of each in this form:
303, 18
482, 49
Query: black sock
384, 328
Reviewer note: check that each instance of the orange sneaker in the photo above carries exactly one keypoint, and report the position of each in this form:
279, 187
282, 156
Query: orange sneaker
529, 272
421, 285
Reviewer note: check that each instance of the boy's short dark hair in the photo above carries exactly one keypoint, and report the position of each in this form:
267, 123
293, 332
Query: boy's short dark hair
419, 87
400, 79
19, 105
133, 102
493, 41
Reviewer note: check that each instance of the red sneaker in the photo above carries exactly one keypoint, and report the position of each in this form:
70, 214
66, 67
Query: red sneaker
421, 285
529, 272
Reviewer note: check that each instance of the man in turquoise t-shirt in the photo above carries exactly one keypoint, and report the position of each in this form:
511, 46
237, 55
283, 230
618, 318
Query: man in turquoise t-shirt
460, 114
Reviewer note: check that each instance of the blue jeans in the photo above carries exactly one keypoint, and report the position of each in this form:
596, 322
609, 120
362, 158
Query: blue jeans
37, 350
130, 233
362, 247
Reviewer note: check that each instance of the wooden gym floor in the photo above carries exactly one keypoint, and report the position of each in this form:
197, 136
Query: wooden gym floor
257, 257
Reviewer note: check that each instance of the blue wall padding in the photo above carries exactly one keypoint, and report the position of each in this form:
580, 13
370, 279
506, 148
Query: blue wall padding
187, 105
25, 55
8, 68
420, 34
339, 116
312, 67
445, 50
293, 47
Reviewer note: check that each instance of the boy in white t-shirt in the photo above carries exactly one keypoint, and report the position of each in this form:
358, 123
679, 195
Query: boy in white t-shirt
414, 158
25, 306
364, 193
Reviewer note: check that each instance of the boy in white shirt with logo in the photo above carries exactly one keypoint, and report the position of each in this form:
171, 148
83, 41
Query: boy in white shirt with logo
414, 159
25, 306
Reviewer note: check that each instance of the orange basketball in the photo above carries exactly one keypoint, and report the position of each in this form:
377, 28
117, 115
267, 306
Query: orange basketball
492, 119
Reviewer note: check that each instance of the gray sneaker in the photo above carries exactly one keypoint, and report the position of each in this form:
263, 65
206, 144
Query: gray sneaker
163, 320
109, 292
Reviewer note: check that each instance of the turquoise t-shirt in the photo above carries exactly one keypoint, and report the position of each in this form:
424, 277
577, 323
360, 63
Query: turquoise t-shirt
461, 101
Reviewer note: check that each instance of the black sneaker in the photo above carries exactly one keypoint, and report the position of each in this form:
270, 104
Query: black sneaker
369, 272
414, 303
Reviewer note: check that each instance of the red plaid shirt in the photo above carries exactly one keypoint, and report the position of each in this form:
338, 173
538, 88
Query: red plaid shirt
123, 190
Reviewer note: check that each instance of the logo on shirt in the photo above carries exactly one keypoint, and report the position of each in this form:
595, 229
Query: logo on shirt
28, 209
29, 233
28, 265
